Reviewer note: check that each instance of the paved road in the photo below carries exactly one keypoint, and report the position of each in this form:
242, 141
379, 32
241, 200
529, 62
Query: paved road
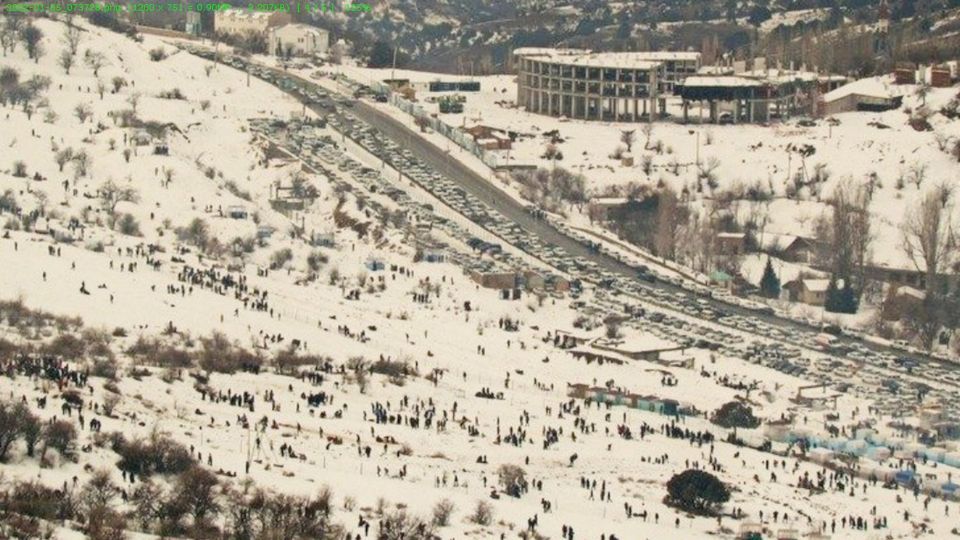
484, 190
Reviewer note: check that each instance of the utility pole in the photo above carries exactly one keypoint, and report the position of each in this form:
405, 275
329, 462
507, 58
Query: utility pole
696, 171
393, 70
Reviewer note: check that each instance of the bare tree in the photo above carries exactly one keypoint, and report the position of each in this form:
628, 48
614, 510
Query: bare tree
82, 111
626, 137
699, 238
918, 173
930, 236
10, 427
31, 428
482, 514
930, 240
94, 60
647, 130
513, 479
10, 33
198, 491
134, 100
31, 37
59, 435
110, 401
708, 168
65, 61
442, 512
646, 164
63, 157
71, 38
942, 140
112, 194
668, 223
844, 233
81, 162
99, 492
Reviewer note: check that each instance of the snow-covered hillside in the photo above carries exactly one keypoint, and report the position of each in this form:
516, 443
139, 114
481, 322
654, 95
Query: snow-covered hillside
208, 320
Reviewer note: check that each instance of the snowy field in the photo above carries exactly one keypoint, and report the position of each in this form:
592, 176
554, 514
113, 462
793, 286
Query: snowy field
484, 384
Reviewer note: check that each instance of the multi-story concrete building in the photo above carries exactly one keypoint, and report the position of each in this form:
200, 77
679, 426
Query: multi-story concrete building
298, 39
616, 86
241, 21
677, 66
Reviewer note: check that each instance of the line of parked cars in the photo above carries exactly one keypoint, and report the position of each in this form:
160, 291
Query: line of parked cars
849, 362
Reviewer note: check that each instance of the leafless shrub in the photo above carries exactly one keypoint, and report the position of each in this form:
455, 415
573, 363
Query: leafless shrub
482, 514
442, 511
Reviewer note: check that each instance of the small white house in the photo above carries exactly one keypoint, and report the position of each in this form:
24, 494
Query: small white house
299, 40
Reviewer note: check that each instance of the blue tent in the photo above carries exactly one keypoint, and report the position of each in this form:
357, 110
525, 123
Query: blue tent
904, 476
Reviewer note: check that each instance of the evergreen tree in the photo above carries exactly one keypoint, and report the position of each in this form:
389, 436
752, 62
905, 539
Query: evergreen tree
832, 300
770, 283
730, 9
848, 301
381, 55
697, 491
759, 14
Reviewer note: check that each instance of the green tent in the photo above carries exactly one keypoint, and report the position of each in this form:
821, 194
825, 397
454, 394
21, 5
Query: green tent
720, 276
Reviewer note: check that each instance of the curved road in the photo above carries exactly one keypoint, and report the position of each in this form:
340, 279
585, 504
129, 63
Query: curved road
485, 191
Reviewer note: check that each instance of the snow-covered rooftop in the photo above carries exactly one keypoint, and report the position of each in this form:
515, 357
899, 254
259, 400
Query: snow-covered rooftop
634, 343
816, 285
725, 81
244, 14
780, 75
586, 57
300, 27
878, 87
776, 241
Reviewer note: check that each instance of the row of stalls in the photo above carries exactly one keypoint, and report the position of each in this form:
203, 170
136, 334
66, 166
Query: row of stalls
874, 453
619, 397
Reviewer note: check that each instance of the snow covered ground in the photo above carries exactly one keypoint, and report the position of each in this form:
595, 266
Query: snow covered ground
469, 352
742, 156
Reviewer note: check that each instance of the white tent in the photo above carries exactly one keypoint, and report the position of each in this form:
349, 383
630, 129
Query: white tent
821, 455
